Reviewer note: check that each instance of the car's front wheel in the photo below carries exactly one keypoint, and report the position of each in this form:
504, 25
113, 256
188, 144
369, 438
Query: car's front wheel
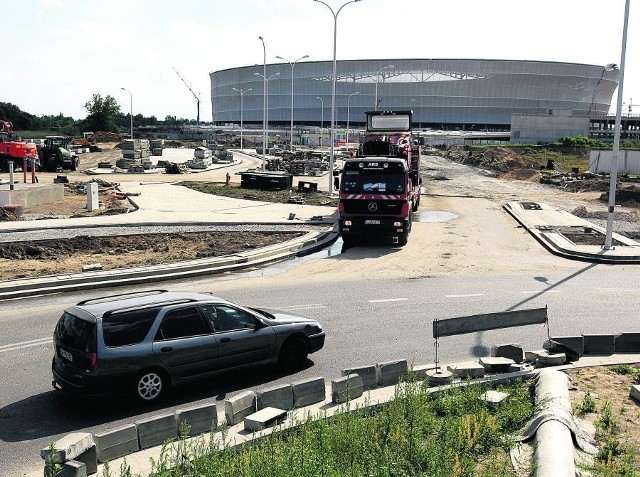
151, 385
293, 353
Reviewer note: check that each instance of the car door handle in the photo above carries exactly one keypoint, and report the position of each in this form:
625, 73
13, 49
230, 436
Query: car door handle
166, 349
225, 340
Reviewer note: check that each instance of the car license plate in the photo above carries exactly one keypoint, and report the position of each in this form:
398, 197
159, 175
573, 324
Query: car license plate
66, 355
371, 222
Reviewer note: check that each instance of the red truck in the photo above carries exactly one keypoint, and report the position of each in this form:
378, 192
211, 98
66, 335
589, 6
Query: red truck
380, 187
14, 151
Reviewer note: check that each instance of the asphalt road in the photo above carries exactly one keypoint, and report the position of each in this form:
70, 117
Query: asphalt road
376, 303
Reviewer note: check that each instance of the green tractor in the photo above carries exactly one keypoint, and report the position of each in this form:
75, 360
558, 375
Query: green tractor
54, 155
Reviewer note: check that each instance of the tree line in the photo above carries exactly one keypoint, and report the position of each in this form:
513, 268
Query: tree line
103, 114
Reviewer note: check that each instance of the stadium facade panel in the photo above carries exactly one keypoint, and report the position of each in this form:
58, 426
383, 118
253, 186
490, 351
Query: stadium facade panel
443, 93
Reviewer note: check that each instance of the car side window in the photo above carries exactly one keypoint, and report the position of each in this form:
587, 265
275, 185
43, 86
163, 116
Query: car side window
226, 318
182, 323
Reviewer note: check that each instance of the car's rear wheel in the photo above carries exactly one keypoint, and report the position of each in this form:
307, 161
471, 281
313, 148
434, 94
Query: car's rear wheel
293, 353
151, 385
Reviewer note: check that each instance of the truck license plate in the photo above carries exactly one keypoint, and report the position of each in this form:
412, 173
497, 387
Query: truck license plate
66, 355
371, 222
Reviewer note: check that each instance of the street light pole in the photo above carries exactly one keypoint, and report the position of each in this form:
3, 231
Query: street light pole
292, 66
333, 87
348, 99
321, 117
375, 104
241, 91
264, 103
266, 118
131, 110
616, 137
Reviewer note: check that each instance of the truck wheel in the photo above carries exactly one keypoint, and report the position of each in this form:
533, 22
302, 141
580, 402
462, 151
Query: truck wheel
416, 205
402, 240
50, 164
75, 162
348, 242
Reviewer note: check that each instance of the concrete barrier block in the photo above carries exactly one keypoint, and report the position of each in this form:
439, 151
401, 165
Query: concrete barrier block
628, 343
239, 406
73, 468
471, 370
201, 419
511, 351
599, 344
280, 397
267, 417
156, 430
495, 364
308, 391
70, 446
390, 372
117, 443
346, 388
369, 375
576, 343
634, 392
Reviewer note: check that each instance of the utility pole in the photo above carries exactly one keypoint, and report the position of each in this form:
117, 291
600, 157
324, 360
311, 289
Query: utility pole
194, 95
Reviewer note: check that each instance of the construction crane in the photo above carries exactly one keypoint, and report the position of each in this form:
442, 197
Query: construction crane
192, 92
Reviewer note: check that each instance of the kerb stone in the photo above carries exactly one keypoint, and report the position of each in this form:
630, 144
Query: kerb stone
346, 388
73, 468
239, 406
117, 443
201, 419
511, 351
267, 417
421, 370
308, 391
369, 375
280, 397
496, 364
628, 343
156, 430
470, 370
599, 344
390, 372
69, 447
634, 392
576, 343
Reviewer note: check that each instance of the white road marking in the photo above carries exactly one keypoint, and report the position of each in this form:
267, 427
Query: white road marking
464, 296
25, 344
618, 290
303, 307
386, 300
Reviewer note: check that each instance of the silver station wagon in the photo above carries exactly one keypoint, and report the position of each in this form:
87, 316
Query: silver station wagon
145, 342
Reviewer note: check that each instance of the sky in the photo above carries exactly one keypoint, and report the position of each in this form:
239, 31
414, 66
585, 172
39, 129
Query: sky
58, 53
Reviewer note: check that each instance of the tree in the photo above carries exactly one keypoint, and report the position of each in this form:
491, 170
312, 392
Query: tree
102, 113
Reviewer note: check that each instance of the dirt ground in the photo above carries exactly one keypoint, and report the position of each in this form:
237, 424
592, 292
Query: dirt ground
604, 384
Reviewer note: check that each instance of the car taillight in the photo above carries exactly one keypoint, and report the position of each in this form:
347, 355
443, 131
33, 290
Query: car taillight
92, 359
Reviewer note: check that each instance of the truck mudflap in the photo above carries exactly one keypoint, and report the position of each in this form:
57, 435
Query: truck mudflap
394, 229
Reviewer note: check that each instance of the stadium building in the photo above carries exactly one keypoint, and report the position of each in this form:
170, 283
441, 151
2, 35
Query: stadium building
446, 94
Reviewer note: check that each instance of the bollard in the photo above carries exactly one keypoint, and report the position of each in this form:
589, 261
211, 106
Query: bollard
92, 196
11, 178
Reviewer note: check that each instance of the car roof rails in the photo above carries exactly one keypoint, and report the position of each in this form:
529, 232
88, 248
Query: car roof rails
108, 298
145, 306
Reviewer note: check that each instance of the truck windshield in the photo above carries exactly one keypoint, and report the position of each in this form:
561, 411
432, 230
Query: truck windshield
373, 182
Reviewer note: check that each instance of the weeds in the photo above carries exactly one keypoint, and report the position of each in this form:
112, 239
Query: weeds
587, 406
415, 434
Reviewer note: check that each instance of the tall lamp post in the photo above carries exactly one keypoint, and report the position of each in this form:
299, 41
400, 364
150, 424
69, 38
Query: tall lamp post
264, 103
266, 117
292, 66
616, 137
131, 108
241, 91
333, 87
375, 105
348, 99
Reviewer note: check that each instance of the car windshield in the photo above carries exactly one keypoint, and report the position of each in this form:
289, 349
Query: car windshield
76, 333
376, 182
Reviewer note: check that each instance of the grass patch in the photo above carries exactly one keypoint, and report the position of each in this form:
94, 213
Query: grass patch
454, 434
627, 370
277, 196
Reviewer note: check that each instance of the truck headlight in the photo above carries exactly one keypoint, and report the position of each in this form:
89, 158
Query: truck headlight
398, 224
347, 223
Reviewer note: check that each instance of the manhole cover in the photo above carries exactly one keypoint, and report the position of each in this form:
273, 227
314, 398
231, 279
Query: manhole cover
434, 216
